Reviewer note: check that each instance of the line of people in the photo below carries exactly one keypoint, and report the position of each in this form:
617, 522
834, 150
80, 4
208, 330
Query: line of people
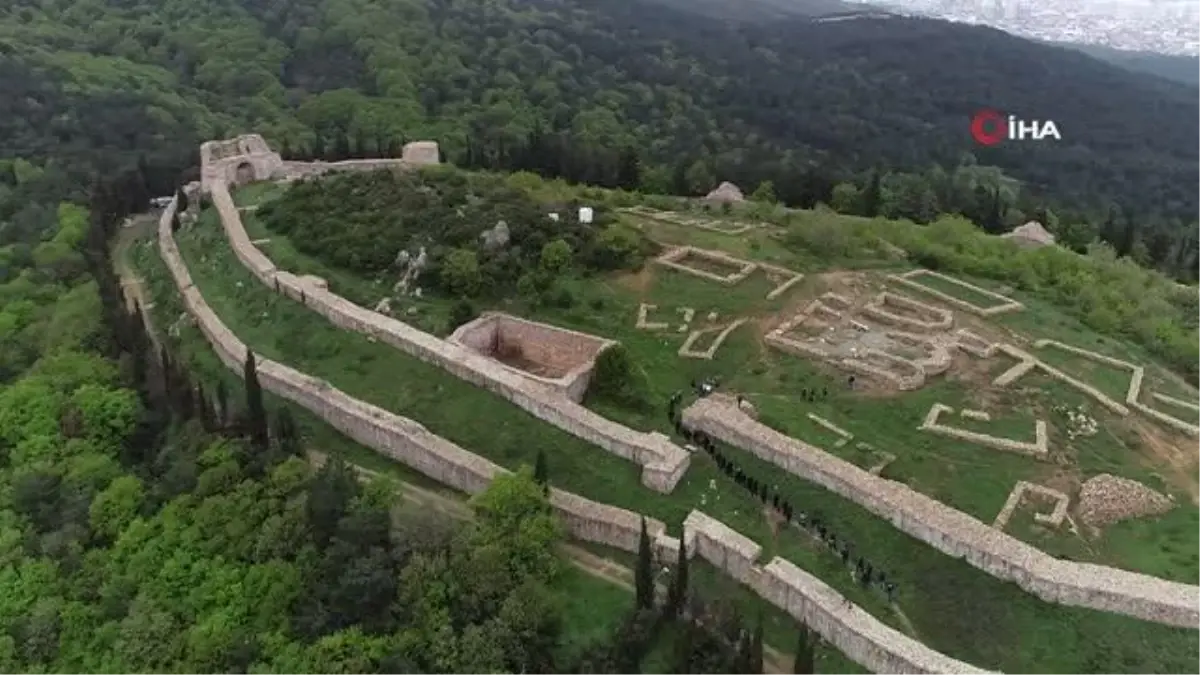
863, 571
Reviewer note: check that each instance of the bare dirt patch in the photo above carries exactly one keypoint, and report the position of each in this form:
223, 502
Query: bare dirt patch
640, 282
1176, 453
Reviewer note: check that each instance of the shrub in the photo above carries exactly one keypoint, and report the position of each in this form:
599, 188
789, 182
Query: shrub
462, 312
616, 379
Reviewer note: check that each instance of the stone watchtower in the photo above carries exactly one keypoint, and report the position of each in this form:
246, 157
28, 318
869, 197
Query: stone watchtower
238, 161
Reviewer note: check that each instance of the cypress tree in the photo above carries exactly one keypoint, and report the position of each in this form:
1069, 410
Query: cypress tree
181, 200
804, 653
644, 574
541, 473
203, 412
756, 648
677, 591
222, 411
256, 413
872, 196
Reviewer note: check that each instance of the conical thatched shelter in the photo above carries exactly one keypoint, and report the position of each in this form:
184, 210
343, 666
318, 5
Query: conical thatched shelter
1031, 234
726, 193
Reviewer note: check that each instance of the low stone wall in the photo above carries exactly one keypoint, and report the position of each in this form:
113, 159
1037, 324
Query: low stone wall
663, 462
859, 635
953, 532
910, 279
881, 308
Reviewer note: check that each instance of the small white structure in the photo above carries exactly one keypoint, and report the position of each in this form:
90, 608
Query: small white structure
554, 217
1031, 234
725, 193
586, 214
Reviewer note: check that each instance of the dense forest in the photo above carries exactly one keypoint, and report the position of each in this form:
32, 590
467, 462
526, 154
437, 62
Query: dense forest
150, 522
94, 85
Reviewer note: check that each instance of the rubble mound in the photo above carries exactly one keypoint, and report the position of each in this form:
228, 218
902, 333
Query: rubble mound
726, 193
1106, 499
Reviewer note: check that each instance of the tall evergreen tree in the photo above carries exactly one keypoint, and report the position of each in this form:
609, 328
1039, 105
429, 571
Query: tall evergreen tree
222, 413
804, 653
644, 573
541, 473
629, 169
286, 434
181, 200
203, 412
677, 591
756, 648
256, 412
873, 195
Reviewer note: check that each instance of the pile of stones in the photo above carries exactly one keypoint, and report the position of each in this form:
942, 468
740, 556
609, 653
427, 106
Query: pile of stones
1106, 499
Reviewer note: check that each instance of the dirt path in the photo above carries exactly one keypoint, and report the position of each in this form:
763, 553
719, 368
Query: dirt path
774, 660
130, 233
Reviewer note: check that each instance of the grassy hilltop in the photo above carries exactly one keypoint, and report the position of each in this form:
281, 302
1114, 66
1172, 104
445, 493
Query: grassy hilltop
348, 230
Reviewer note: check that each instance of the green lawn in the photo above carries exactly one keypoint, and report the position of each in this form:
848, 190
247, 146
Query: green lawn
513, 444
954, 290
933, 586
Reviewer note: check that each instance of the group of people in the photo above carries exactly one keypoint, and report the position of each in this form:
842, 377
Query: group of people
866, 573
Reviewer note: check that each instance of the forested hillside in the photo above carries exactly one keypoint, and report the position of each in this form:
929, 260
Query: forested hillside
1183, 69
93, 83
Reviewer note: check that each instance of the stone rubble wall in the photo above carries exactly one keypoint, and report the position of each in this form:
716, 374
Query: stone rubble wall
855, 632
879, 308
1053, 519
811, 601
663, 462
953, 532
1134, 393
909, 279
399, 438
1039, 448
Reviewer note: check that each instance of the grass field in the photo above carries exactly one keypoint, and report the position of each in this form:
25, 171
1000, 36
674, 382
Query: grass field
619, 477
973, 479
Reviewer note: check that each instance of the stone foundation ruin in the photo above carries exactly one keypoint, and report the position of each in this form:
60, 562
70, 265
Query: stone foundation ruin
829, 329
1039, 448
951, 531
1024, 488
556, 357
703, 262
1027, 362
807, 599
676, 218
687, 351
912, 280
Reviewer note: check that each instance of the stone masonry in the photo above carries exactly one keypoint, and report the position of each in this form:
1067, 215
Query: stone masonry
953, 532
662, 461
855, 632
568, 356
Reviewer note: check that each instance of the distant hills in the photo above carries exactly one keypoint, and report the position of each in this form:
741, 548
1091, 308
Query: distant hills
758, 11
1183, 69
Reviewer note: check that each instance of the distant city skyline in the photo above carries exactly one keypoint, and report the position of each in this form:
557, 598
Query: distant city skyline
1163, 26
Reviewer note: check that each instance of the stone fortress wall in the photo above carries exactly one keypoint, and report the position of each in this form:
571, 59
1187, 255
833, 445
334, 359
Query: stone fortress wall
248, 158
855, 632
953, 532
663, 463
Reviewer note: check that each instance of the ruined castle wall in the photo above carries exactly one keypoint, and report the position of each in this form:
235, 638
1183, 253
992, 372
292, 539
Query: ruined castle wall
953, 532
855, 632
859, 635
663, 461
